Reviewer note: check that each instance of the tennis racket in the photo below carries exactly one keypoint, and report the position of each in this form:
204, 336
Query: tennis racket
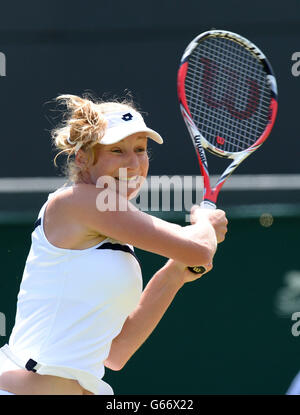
228, 99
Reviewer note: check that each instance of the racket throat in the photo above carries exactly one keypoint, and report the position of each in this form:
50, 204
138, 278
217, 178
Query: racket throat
210, 198
210, 195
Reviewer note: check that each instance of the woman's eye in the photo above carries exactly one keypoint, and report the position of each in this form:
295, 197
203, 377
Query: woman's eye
119, 150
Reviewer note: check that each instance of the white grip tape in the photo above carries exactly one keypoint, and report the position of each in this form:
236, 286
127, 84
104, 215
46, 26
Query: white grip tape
207, 205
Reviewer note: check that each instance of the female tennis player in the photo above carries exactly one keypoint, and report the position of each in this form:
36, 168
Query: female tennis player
81, 307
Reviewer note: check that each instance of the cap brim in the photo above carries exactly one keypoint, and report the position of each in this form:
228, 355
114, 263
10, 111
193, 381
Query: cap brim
114, 135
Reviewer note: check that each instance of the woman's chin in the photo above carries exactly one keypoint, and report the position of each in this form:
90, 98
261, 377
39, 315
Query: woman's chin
132, 194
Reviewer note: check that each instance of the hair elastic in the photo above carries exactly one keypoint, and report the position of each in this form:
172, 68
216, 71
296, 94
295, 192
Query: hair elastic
70, 142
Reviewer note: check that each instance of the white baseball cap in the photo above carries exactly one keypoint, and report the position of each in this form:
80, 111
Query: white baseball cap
122, 124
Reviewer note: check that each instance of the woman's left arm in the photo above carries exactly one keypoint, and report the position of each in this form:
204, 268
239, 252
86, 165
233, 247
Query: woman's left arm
155, 299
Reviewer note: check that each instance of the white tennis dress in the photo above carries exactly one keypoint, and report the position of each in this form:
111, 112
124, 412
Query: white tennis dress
71, 305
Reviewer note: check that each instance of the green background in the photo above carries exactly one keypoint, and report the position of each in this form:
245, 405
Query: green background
222, 334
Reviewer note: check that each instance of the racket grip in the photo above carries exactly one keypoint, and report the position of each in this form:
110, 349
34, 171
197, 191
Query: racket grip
206, 204
197, 270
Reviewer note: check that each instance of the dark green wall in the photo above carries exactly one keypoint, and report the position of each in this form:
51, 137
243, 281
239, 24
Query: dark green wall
222, 334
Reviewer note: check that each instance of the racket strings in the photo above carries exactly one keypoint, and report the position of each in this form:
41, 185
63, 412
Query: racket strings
190, 85
227, 93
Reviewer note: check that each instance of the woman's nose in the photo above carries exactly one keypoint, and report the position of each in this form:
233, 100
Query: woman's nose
132, 161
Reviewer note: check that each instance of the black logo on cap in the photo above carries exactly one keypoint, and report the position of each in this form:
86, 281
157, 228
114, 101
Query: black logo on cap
127, 117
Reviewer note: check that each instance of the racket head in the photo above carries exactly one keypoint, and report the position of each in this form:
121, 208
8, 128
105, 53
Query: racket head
227, 93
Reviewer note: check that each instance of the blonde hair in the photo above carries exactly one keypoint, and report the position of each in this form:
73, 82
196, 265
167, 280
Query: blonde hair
84, 124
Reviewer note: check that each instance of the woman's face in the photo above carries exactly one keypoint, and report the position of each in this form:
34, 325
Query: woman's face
126, 161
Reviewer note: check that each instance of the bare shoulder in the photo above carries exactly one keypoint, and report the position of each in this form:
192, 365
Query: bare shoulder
99, 211
79, 205
61, 220
74, 203
74, 197
78, 196
96, 208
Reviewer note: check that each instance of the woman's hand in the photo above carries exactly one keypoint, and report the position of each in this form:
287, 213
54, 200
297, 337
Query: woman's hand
216, 217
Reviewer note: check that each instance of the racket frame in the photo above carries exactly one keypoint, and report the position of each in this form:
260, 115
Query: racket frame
210, 194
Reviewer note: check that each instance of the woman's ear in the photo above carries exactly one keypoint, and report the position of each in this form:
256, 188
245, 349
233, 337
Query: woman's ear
81, 159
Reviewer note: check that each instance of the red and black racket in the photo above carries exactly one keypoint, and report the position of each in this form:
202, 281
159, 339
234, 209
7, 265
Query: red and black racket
228, 99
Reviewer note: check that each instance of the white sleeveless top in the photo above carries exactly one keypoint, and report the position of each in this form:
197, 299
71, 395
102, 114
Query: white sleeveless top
71, 305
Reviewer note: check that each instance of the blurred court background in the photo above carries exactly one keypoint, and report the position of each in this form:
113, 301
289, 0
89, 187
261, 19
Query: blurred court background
230, 332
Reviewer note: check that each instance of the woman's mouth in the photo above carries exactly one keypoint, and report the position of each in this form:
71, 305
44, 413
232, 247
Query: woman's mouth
127, 179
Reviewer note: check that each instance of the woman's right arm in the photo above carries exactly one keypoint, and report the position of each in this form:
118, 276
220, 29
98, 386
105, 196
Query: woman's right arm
192, 245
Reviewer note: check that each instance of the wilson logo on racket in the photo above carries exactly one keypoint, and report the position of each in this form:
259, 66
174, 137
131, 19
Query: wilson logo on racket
220, 140
210, 74
197, 139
